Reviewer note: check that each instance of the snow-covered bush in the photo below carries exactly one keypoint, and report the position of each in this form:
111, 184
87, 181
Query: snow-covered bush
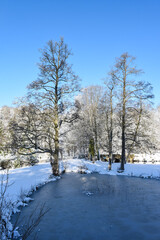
6, 206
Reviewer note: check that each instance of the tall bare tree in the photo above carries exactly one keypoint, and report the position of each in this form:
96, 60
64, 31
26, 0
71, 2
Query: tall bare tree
53, 90
131, 92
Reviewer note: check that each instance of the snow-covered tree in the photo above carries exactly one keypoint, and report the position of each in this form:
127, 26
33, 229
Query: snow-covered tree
89, 125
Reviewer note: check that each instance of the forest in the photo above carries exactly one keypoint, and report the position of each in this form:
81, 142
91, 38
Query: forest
59, 118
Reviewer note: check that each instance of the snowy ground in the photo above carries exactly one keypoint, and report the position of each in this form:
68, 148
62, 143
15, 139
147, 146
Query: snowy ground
136, 170
23, 181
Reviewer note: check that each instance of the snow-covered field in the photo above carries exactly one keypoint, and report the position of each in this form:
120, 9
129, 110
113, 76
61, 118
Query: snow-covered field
22, 181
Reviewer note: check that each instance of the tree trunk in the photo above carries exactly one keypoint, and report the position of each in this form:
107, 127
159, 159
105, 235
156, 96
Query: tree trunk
123, 158
136, 131
110, 151
96, 138
111, 133
55, 166
93, 159
110, 161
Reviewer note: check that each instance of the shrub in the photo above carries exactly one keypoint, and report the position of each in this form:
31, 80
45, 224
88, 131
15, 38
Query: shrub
5, 164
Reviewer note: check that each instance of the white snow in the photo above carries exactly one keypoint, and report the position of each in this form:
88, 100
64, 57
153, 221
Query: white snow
24, 180
21, 183
137, 170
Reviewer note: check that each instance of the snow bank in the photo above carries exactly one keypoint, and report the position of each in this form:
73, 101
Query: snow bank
21, 183
137, 170
73, 165
147, 158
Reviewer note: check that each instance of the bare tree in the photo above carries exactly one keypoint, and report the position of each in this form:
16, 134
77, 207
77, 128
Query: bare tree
131, 92
29, 131
109, 100
52, 95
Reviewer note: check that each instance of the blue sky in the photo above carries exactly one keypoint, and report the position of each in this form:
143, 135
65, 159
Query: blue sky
96, 31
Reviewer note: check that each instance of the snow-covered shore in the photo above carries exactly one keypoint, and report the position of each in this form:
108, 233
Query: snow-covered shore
19, 184
136, 170
23, 181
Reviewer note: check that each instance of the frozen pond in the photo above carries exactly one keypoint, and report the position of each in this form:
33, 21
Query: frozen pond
97, 206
